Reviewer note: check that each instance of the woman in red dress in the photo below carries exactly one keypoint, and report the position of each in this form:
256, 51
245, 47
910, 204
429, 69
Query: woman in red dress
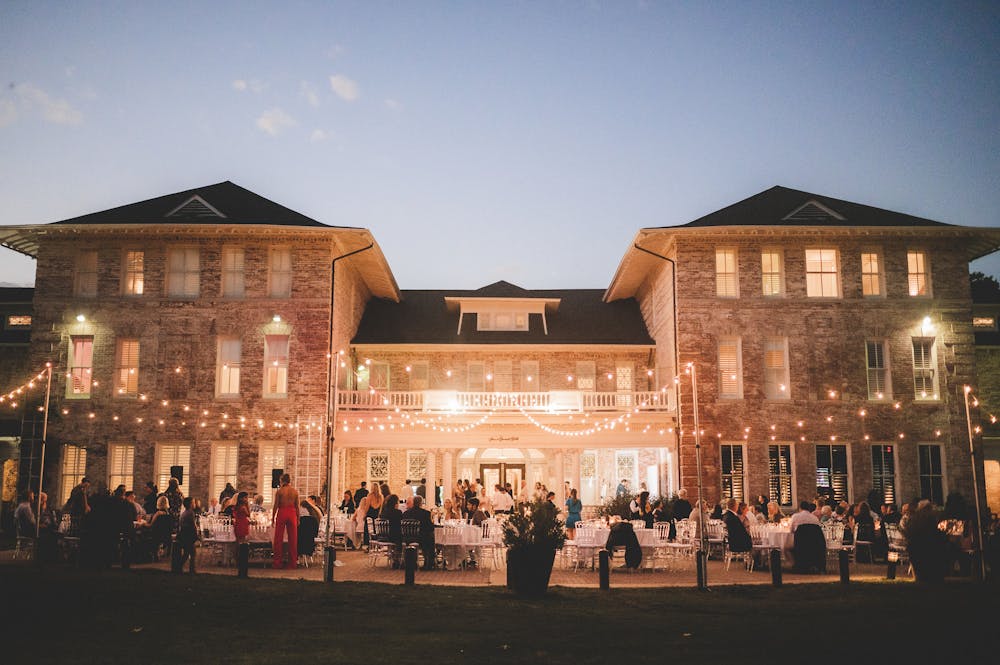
241, 517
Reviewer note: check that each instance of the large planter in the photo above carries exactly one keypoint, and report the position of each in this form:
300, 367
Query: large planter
529, 568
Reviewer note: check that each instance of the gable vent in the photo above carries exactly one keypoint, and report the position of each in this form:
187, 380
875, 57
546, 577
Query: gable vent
196, 207
813, 212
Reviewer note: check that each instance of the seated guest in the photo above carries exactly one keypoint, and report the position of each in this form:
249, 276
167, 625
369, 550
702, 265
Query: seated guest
418, 513
391, 513
213, 506
258, 504
316, 503
809, 549
737, 534
450, 512
804, 516
227, 492
754, 516
682, 507
774, 514
716, 512
476, 516
24, 515
347, 504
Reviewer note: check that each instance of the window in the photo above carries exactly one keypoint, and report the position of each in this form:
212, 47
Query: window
275, 365
502, 321
127, 368
924, 362
416, 467
81, 363
476, 376
624, 384
779, 479
776, 368
418, 375
878, 374
586, 375
74, 468
227, 366
183, 272
931, 476
280, 285
121, 466
772, 272
503, 376
726, 279
831, 471
85, 279
871, 274
232, 272
529, 376
917, 277
132, 273
271, 457
374, 376
24, 321
978, 322
170, 455
733, 479
822, 277
224, 467
884, 473
730, 368
378, 467
627, 468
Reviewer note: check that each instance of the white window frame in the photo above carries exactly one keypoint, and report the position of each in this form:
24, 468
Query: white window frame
183, 272
276, 366
121, 465
726, 371
502, 320
586, 375
133, 272
81, 367
170, 454
822, 272
279, 277
878, 367
270, 455
73, 469
233, 272
872, 275
733, 475
368, 467
925, 369
776, 378
633, 480
126, 367
415, 469
85, 274
228, 364
772, 269
224, 466
790, 474
727, 272
475, 378
918, 274
845, 475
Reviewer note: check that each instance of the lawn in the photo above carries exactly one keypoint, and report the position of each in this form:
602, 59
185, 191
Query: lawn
72, 616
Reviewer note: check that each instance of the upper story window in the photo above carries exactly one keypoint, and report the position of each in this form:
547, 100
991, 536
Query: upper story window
925, 379
871, 274
419, 375
81, 365
476, 376
275, 365
280, 278
127, 368
978, 322
730, 368
529, 376
878, 370
85, 277
917, 274
183, 272
21, 321
822, 273
502, 321
726, 278
586, 375
232, 272
228, 363
772, 272
776, 368
133, 280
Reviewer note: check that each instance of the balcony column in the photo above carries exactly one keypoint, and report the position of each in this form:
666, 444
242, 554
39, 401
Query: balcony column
560, 479
574, 472
448, 473
432, 479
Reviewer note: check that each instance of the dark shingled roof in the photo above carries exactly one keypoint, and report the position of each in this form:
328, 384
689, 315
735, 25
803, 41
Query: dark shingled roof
239, 205
772, 206
421, 317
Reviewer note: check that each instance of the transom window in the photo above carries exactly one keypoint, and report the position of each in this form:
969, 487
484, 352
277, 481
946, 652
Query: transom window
772, 272
917, 278
822, 273
871, 274
726, 278
133, 281
183, 272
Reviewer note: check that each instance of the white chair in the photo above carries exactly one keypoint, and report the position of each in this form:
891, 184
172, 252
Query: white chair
24, 546
715, 532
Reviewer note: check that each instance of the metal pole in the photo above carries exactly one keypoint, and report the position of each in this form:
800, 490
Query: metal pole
975, 486
702, 542
45, 433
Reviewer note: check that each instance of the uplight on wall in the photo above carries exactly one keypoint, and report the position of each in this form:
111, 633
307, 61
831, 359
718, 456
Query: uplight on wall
926, 326
81, 318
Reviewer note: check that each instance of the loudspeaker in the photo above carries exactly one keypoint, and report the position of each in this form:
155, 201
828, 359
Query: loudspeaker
276, 478
178, 473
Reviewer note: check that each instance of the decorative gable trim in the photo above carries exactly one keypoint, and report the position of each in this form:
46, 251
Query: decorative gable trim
195, 207
813, 211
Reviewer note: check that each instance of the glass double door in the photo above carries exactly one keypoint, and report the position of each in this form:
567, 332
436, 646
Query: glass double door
501, 473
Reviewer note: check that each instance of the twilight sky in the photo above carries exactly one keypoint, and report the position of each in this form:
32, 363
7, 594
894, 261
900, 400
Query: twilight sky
525, 141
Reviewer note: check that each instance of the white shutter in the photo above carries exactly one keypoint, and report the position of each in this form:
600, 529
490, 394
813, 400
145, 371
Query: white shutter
476, 382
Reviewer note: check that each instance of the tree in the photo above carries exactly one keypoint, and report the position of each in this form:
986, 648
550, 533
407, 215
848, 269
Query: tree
985, 288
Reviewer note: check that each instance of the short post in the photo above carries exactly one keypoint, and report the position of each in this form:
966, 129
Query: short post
701, 562
329, 561
890, 572
845, 567
175, 557
409, 564
775, 567
604, 569
243, 560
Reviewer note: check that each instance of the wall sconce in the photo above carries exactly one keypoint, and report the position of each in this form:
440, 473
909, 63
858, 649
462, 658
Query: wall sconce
81, 318
926, 326
276, 318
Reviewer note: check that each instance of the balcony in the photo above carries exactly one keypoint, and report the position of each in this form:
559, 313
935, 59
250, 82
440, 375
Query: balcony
555, 401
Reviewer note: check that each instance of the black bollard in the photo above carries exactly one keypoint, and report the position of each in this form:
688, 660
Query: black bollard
243, 560
604, 569
701, 563
890, 571
329, 561
776, 567
175, 557
845, 567
409, 565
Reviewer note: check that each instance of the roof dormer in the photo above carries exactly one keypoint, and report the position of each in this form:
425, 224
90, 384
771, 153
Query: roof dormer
502, 313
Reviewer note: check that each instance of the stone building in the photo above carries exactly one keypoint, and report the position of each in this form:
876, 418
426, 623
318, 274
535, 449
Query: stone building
985, 315
15, 335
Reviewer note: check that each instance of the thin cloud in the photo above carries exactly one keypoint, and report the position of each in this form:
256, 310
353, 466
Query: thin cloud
392, 104
334, 51
344, 87
32, 99
240, 85
319, 135
253, 85
310, 93
274, 121
8, 112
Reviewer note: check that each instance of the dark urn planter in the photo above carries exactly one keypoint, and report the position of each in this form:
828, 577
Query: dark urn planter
529, 568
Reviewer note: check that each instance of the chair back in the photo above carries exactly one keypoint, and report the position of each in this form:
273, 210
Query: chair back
411, 531
662, 530
380, 529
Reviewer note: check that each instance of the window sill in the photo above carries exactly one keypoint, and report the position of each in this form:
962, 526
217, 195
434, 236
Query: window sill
275, 396
78, 396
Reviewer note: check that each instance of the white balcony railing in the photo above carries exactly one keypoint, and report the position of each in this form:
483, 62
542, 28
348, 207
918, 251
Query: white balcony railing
555, 401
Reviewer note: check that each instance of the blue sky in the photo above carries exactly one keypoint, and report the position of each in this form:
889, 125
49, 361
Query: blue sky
525, 141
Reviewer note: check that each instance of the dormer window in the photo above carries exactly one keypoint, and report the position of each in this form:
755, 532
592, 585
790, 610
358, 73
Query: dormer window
502, 321
502, 314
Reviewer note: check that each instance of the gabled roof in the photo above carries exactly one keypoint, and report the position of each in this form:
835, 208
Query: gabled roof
221, 203
422, 317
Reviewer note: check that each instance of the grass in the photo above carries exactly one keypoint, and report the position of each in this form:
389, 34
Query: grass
67, 615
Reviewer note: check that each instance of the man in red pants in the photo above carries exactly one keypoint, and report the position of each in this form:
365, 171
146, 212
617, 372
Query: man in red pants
285, 514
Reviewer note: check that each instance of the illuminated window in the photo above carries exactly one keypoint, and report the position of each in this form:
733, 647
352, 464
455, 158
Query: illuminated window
726, 279
917, 277
586, 375
232, 272
772, 272
227, 366
878, 370
276, 365
132, 273
779, 479
280, 285
127, 368
733, 470
19, 321
931, 473
74, 468
831, 471
271, 456
730, 368
871, 274
121, 465
502, 321
925, 381
183, 272
224, 467
822, 275
884, 473
776, 368
170, 455
978, 322
81, 366
85, 279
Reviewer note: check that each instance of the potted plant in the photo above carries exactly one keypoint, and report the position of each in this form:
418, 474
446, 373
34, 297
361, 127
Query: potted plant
926, 544
532, 535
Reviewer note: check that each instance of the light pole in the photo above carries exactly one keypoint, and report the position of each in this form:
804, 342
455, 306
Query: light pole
975, 485
702, 566
45, 433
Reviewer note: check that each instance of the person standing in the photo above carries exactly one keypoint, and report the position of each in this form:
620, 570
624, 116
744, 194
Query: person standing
149, 502
622, 488
361, 493
285, 517
187, 533
422, 489
573, 509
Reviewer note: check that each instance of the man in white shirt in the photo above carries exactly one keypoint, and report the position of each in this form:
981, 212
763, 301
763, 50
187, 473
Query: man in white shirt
804, 516
502, 502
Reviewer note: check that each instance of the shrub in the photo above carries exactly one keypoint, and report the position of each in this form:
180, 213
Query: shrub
537, 524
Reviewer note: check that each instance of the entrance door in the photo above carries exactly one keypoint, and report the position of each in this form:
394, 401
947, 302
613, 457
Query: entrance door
502, 473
